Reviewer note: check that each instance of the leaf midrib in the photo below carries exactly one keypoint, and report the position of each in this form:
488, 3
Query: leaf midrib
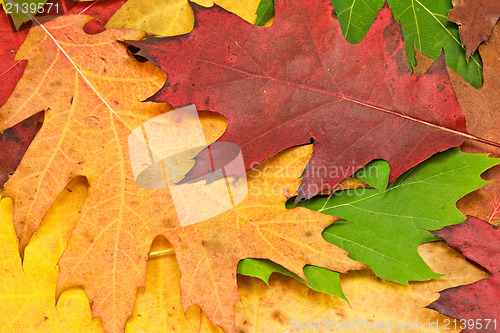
391, 189
328, 93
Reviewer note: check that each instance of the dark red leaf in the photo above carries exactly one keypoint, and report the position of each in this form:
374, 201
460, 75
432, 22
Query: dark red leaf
101, 11
479, 242
299, 80
10, 69
13, 144
13, 141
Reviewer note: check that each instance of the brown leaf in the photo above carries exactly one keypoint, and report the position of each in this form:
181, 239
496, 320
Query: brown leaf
482, 110
476, 19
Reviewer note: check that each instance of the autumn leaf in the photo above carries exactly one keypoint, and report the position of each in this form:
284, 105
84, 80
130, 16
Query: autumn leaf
269, 308
351, 100
158, 307
13, 144
117, 212
15, 141
285, 302
11, 70
482, 109
475, 305
384, 226
476, 20
82, 136
264, 12
318, 278
259, 227
159, 17
27, 288
173, 17
424, 25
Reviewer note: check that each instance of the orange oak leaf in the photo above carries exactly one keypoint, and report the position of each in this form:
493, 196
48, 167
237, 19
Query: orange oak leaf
108, 249
81, 136
208, 253
476, 19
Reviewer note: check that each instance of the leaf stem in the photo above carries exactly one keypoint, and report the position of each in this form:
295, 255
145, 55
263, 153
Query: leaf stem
161, 253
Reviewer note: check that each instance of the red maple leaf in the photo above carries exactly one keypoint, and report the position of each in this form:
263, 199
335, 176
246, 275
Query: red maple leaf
477, 303
300, 81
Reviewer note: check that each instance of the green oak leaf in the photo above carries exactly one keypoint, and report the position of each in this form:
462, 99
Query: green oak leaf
17, 8
318, 278
426, 28
356, 17
264, 12
424, 24
376, 174
383, 227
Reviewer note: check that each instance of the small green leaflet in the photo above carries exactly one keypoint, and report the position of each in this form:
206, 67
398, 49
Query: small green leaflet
319, 279
425, 26
424, 23
264, 12
384, 226
356, 17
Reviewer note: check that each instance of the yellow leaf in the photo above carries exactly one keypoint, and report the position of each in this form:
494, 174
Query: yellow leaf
244, 9
27, 289
155, 17
287, 304
164, 18
158, 307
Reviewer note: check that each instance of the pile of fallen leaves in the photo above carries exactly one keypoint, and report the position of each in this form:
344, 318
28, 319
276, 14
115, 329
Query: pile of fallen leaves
368, 130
